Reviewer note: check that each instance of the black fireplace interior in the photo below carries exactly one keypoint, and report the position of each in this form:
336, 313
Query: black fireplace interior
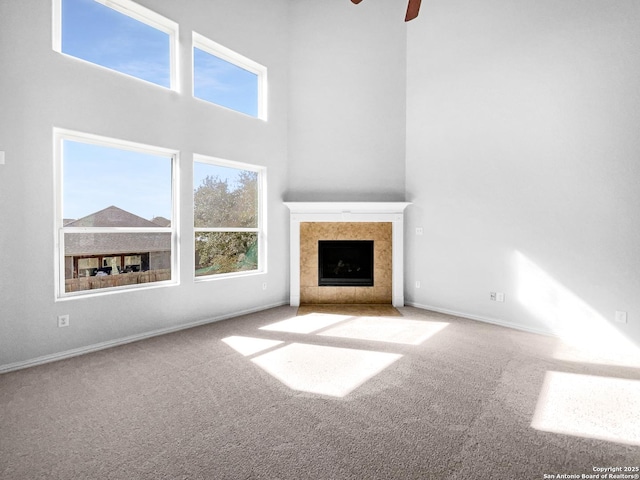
343, 263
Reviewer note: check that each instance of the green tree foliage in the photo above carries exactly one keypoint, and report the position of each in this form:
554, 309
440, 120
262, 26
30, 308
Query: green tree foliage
220, 205
224, 252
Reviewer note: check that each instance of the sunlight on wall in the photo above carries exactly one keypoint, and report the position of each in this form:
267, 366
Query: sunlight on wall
586, 335
383, 329
306, 323
325, 370
248, 345
588, 406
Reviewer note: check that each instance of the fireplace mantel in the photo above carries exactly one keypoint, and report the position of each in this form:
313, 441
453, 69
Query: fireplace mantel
392, 212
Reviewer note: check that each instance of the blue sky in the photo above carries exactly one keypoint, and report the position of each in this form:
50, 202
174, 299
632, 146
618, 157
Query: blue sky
223, 83
96, 33
101, 35
96, 177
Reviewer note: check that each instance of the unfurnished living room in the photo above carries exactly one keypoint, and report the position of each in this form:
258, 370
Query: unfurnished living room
319, 239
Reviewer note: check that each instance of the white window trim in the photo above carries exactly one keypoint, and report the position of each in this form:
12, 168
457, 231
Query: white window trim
261, 229
207, 45
137, 12
61, 134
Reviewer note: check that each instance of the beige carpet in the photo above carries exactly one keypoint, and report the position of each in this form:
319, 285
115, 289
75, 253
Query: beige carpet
273, 395
363, 310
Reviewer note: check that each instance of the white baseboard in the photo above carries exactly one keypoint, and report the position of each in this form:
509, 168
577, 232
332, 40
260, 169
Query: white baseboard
480, 318
130, 339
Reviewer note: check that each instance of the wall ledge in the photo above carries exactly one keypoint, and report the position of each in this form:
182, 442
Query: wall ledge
347, 207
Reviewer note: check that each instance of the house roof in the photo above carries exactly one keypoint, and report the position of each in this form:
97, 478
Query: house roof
112, 217
161, 221
85, 244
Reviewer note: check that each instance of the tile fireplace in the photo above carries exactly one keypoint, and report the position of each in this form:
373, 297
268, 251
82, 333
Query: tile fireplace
379, 223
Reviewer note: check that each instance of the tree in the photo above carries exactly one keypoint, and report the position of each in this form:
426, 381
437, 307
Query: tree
216, 205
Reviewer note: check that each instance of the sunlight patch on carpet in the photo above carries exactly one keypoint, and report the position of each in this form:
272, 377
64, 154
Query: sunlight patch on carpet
249, 346
381, 329
323, 370
604, 408
306, 324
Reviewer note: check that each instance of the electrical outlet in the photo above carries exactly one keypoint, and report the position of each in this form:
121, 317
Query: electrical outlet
63, 320
264, 286
417, 283
621, 317
1, 158
419, 231
492, 296
499, 297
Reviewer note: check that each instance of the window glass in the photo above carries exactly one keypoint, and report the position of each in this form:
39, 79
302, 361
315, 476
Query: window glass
226, 218
226, 78
104, 254
97, 176
225, 197
104, 36
226, 252
223, 83
116, 207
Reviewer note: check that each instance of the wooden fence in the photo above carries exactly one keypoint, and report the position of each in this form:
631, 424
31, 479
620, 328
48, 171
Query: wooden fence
108, 281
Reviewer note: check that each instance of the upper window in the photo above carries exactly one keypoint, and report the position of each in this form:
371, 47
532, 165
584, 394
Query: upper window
228, 223
228, 79
115, 213
120, 35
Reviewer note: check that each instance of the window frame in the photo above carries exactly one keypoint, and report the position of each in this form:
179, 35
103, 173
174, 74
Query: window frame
139, 13
261, 229
209, 46
59, 136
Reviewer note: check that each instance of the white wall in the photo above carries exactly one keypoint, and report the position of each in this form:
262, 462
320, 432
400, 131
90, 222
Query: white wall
40, 89
523, 160
347, 114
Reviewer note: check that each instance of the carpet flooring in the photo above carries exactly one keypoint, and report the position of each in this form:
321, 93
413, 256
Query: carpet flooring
273, 395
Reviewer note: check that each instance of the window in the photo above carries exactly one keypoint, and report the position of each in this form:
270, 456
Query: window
120, 35
228, 218
228, 79
115, 214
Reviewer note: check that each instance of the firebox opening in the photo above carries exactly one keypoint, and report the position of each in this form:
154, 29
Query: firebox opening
343, 263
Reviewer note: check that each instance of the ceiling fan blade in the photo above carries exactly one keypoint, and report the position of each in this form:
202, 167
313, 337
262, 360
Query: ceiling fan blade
412, 9
356, 1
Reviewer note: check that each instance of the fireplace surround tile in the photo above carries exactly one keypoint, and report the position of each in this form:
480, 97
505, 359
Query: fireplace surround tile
310, 294
312, 232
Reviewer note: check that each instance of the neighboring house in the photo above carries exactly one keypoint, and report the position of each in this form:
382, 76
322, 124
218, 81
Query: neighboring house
161, 221
90, 254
